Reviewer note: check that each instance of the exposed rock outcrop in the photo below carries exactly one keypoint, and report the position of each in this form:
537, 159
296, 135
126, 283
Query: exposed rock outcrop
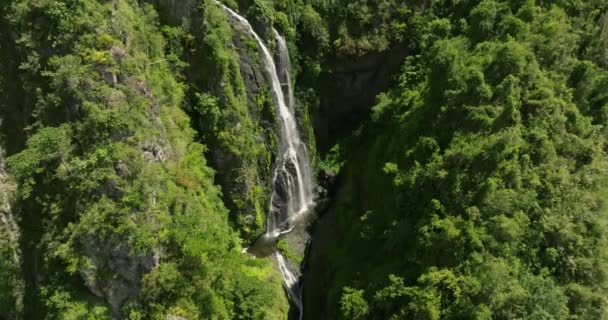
7, 219
10, 253
261, 114
126, 272
175, 10
349, 92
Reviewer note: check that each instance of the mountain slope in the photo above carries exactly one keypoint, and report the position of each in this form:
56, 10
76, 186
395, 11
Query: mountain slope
118, 209
476, 190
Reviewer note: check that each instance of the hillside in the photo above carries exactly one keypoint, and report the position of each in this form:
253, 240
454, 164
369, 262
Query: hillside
260, 159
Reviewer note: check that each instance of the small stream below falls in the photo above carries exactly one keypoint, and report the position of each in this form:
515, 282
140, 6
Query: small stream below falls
292, 183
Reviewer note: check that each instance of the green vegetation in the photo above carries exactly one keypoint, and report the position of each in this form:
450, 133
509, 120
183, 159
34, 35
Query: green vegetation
140, 152
477, 190
116, 201
11, 282
288, 253
234, 118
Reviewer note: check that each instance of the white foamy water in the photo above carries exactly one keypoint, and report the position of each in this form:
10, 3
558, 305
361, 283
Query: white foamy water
292, 194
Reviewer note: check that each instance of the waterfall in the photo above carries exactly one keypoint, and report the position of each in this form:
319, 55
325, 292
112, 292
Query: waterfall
291, 282
292, 194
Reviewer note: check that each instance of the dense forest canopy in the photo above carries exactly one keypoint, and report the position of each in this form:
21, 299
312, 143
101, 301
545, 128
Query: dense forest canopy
138, 143
479, 192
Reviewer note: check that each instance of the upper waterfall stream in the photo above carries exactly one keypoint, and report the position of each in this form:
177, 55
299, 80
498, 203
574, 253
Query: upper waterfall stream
292, 194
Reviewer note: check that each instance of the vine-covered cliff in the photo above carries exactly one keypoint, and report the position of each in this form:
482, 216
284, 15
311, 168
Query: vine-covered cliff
118, 210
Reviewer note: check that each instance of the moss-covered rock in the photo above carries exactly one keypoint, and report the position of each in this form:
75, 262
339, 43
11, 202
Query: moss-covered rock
234, 114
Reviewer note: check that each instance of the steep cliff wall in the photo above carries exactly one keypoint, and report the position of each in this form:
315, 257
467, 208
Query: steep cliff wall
233, 113
349, 91
118, 211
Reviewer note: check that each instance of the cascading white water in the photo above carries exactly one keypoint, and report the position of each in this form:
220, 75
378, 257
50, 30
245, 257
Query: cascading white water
285, 68
292, 194
291, 282
292, 179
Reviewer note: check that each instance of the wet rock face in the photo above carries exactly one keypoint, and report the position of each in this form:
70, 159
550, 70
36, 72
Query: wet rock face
318, 272
10, 253
230, 167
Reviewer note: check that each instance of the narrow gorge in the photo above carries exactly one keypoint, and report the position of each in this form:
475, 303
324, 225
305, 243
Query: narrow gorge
303, 159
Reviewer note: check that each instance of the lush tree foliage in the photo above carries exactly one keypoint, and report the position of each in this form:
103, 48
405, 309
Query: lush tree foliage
118, 208
475, 190
479, 192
